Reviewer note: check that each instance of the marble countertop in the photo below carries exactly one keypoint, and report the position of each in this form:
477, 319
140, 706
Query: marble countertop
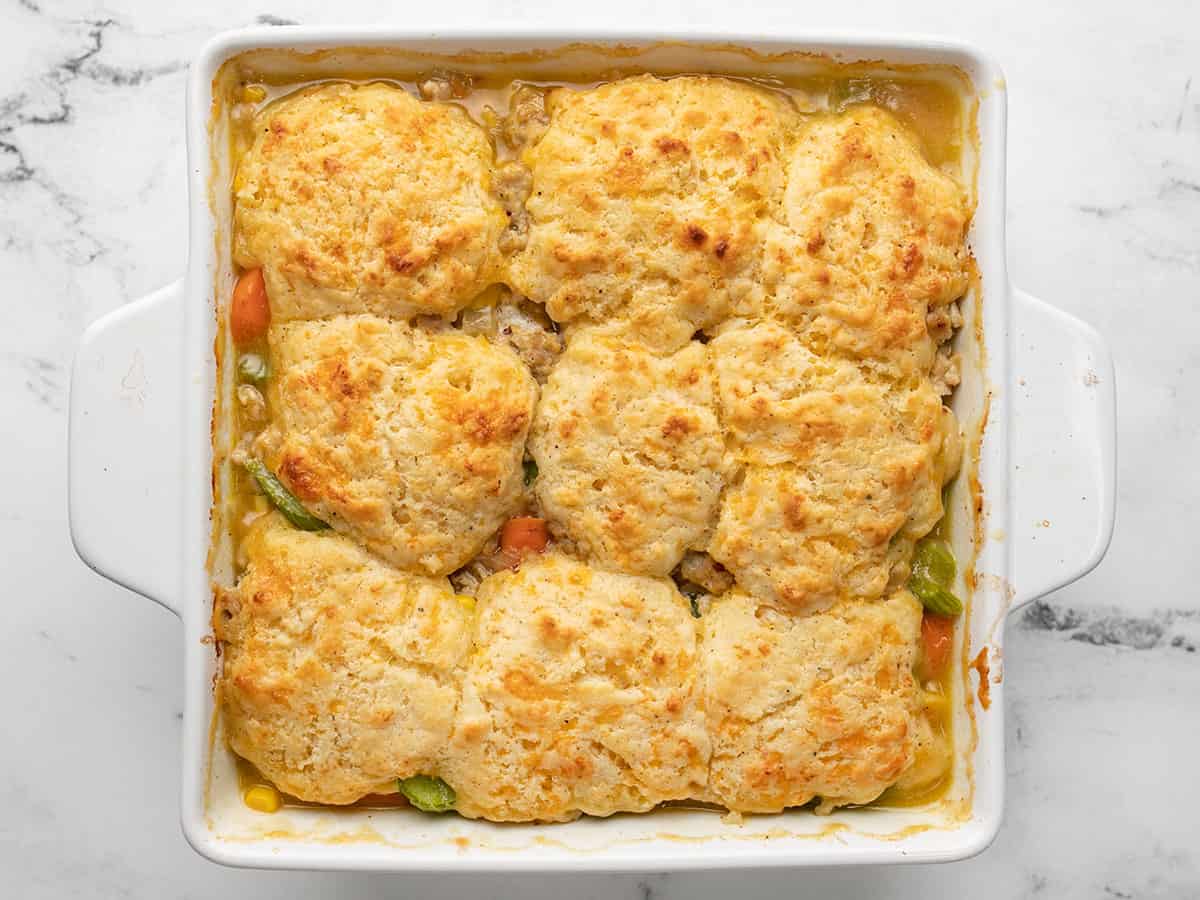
1103, 677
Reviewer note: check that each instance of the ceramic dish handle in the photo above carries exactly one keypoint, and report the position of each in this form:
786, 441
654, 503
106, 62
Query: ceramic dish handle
124, 449
1064, 448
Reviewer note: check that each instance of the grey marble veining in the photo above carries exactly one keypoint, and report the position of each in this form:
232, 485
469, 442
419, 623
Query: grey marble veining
1103, 678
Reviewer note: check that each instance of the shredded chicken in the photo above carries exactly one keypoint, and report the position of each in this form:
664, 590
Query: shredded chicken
513, 183
527, 117
702, 570
467, 579
479, 321
528, 330
245, 447
943, 321
491, 559
700, 578
445, 86
521, 324
946, 373
254, 407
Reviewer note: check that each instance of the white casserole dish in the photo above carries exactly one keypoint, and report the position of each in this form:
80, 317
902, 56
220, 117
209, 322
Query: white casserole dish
1038, 396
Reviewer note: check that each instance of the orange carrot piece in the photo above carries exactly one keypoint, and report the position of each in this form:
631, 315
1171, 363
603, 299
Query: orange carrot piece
249, 313
523, 534
937, 640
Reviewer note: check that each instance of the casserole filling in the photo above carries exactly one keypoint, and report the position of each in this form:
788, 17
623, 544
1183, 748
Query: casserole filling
590, 445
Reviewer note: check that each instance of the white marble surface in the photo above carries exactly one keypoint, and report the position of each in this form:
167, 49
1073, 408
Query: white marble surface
1103, 679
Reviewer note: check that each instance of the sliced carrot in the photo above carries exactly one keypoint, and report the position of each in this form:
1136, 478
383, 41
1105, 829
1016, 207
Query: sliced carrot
937, 640
249, 313
523, 534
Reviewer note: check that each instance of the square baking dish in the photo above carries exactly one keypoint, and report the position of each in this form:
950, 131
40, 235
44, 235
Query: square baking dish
1033, 507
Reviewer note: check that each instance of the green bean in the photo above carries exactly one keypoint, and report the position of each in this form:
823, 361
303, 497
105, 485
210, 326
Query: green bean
253, 367
934, 560
428, 793
283, 499
933, 596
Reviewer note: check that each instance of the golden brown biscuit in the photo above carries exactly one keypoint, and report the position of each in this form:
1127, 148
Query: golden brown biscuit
582, 695
409, 441
822, 705
629, 452
871, 241
339, 673
842, 472
647, 202
365, 199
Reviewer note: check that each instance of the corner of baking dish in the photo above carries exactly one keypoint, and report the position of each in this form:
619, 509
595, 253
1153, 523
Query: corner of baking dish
366, 840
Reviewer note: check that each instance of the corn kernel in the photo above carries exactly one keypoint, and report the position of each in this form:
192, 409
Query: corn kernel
466, 602
262, 798
253, 93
